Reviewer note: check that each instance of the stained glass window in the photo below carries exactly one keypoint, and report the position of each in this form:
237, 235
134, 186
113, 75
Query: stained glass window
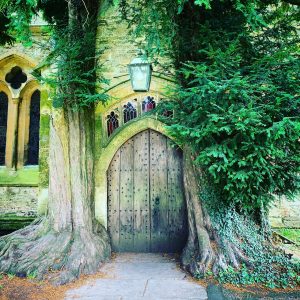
34, 128
3, 126
112, 123
148, 104
16, 77
129, 112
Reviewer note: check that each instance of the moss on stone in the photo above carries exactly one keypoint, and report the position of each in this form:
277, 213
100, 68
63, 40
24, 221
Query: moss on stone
11, 222
27, 176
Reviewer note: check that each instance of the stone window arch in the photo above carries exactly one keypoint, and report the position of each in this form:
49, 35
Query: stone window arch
23, 117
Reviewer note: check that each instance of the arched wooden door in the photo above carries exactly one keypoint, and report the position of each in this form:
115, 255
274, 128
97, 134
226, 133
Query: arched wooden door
146, 205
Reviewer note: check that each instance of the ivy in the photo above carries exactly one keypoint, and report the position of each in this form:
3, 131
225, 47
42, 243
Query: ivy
269, 267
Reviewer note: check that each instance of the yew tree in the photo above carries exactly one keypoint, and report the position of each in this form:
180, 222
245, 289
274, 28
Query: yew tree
68, 238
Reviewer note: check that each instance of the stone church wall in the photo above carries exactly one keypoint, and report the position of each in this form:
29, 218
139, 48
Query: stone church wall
286, 213
18, 207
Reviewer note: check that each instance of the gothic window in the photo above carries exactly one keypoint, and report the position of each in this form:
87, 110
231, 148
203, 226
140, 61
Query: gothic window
148, 104
34, 128
112, 123
16, 77
3, 125
129, 112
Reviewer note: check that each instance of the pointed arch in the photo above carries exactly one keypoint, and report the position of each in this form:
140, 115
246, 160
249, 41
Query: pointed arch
108, 153
17, 57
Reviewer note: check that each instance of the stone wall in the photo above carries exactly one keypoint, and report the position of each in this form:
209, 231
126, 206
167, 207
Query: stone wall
18, 207
21, 186
285, 213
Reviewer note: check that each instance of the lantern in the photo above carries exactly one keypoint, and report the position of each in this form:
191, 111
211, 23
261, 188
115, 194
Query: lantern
140, 73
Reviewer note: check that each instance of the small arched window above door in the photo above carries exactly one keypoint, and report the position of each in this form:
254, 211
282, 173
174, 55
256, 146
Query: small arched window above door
34, 128
3, 126
148, 104
129, 112
112, 122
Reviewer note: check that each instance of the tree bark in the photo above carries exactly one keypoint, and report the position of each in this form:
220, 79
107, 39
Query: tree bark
205, 250
68, 239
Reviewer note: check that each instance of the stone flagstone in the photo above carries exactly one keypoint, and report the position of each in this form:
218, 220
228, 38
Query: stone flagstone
137, 276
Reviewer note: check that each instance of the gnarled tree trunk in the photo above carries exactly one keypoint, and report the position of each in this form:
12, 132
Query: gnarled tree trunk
205, 250
68, 239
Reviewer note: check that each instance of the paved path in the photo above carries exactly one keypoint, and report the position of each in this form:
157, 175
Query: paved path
138, 276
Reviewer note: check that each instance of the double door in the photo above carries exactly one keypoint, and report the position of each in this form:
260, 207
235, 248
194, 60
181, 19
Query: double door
146, 205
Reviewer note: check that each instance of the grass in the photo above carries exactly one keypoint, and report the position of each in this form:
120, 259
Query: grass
291, 234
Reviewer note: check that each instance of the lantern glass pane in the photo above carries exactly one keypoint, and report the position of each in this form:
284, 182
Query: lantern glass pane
140, 75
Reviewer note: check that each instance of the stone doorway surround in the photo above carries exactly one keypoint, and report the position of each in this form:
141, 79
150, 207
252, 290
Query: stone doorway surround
104, 158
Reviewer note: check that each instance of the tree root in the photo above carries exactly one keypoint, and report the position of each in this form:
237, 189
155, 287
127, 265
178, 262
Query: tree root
40, 251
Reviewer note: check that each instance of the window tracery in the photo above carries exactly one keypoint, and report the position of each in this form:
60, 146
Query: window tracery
112, 122
16, 77
129, 112
148, 104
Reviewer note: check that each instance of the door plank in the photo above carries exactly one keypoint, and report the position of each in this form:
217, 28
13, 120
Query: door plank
141, 193
113, 185
126, 197
158, 192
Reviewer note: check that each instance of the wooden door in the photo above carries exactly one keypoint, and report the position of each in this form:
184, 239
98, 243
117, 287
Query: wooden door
146, 205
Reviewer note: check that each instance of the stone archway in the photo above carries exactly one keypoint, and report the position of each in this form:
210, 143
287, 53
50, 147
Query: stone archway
146, 205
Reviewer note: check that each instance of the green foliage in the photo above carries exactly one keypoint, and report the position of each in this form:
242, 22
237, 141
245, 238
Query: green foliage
73, 78
20, 14
240, 237
74, 65
32, 275
11, 276
5, 38
238, 108
268, 265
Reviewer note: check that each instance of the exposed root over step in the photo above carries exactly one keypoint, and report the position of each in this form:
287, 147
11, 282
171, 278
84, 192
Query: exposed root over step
39, 251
